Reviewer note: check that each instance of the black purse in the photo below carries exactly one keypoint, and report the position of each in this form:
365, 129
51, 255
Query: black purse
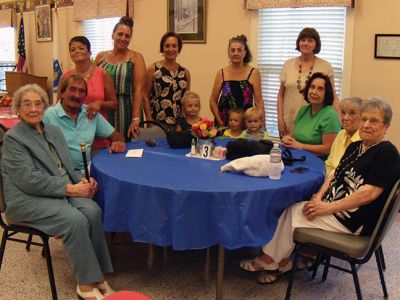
288, 159
175, 139
243, 147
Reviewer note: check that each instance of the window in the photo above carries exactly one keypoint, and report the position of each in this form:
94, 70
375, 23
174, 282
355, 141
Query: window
278, 31
7, 53
99, 32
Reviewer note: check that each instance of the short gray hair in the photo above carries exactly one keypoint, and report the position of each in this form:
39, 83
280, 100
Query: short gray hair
17, 98
352, 100
380, 105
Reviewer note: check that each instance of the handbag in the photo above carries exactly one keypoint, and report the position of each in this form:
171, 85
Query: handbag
175, 139
243, 147
288, 159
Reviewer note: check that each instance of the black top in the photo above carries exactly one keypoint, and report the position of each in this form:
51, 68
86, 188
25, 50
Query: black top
379, 166
184, 124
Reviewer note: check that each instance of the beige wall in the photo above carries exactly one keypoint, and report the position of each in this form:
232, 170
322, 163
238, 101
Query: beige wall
226, 18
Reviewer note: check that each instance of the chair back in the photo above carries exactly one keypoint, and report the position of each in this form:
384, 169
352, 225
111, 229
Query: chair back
386, 219
150, 133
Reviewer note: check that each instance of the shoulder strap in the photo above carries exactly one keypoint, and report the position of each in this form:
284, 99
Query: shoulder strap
222, 71
251, 71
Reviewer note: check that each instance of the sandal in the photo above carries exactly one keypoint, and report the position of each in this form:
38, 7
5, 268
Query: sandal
95, 293
306, 261
248, 265
105, 286
270, 278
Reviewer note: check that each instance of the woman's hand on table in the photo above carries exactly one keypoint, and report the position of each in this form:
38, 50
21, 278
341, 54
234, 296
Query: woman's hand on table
93, 109
117, 147
290, 142
133, 129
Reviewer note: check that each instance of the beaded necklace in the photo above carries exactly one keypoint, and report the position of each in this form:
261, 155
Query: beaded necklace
361, 150
86, 77
299, 87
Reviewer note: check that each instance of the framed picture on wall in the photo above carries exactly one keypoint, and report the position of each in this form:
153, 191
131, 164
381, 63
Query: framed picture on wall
188, 19
43, 23
387, 46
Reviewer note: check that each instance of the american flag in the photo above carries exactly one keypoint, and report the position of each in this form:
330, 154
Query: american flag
21, 65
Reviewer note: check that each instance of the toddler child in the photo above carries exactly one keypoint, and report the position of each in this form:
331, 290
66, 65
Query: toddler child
253, 118
235, 123
191, 108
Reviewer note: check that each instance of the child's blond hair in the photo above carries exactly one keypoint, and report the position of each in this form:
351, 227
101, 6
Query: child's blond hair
253, 112
238, 111
190, 96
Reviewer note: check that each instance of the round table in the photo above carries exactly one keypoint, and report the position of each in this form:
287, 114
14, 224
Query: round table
168, 199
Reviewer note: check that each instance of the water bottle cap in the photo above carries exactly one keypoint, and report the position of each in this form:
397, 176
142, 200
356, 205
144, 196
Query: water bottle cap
276, 145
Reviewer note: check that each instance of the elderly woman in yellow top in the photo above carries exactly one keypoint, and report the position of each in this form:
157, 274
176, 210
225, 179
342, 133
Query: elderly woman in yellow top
351, 121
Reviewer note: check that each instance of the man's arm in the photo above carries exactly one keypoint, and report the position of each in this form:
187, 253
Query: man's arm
117, 142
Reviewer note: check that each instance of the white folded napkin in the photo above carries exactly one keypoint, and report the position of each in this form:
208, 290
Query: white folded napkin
257, 165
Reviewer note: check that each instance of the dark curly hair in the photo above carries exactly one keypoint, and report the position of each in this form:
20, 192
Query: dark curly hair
127, 21
243, 40
80, 39
328, 99
171, 34
311, 33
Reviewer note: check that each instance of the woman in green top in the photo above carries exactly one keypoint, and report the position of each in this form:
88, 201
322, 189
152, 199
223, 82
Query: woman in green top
317, 123
128, 70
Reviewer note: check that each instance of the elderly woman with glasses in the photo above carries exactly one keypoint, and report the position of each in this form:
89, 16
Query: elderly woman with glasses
349, 201
42, 190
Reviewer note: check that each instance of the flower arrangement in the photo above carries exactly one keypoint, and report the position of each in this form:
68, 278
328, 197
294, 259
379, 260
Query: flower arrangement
5, 101
204, 129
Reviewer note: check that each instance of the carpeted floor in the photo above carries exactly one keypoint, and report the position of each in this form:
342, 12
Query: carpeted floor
181, 275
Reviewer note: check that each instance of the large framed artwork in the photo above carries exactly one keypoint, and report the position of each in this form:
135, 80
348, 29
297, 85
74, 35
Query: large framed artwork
387, 46
188, 19
43, 23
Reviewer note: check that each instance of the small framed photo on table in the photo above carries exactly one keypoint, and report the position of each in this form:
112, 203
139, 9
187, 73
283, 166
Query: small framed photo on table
188, 19
43, 23
387, 46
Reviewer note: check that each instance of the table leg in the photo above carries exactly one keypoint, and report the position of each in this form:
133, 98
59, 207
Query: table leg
220, 272
207, 266
150, 257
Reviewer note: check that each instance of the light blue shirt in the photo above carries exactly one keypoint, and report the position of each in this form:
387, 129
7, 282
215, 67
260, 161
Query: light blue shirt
84, 131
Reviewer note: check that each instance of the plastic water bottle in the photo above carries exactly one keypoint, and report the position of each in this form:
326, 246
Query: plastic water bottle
275, 158
193, 148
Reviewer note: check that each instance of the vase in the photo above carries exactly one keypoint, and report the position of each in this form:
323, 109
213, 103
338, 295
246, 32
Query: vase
205, 147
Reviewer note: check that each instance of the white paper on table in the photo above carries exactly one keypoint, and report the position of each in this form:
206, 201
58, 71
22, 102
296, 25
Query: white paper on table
134, 153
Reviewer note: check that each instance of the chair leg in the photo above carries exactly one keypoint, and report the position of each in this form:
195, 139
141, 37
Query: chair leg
292, 272
326, 268
3, 246
28, 242
46, 249
382, 257
356, 281
316, 265
380, 269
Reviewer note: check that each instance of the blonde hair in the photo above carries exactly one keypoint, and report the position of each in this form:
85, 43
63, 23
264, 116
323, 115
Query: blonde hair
253, 112
190, 96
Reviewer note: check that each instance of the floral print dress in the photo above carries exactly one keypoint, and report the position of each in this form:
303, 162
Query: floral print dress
235, 94
166, 94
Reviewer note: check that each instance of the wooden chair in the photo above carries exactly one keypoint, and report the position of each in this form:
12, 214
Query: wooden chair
11, 228
351, 248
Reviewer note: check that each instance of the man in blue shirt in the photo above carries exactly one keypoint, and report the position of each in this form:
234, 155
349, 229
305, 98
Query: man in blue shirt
70, 115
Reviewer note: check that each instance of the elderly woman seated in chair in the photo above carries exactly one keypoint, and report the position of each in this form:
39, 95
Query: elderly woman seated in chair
350, 200
43, 191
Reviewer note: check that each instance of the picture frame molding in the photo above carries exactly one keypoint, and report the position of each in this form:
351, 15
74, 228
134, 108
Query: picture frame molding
189, 38
40, 23
387, 46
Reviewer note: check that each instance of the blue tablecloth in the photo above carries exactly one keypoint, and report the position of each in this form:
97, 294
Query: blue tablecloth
167, 199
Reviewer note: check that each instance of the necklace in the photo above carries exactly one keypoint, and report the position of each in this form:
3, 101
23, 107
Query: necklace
86, 77
299, 87
361, 149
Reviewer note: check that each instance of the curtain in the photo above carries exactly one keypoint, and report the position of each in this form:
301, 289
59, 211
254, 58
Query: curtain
7, 18
258, 4
97, 9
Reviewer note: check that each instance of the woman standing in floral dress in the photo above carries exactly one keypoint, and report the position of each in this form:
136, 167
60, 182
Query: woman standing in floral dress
237, 85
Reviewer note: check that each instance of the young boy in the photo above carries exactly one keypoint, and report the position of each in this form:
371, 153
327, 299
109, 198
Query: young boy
253, 118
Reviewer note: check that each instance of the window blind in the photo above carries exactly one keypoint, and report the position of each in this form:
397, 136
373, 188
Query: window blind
99, 32
278, 31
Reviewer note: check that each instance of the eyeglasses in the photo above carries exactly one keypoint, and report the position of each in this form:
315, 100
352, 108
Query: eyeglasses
372, 122
29, 105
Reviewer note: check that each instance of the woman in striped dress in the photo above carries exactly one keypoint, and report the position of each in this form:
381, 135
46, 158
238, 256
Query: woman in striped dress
127, 69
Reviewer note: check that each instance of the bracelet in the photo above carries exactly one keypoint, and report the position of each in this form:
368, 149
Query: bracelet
136, 119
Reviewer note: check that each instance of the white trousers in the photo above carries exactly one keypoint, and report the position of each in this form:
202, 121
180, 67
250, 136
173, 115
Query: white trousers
282, 245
